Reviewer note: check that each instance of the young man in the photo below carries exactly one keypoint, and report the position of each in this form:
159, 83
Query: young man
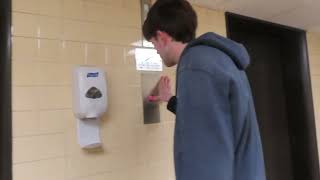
216, 132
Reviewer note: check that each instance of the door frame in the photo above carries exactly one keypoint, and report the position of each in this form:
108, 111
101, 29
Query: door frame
5, 91
298, 90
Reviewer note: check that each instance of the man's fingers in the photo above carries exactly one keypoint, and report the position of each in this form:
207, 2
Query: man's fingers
167, 81
153, 98
164, 83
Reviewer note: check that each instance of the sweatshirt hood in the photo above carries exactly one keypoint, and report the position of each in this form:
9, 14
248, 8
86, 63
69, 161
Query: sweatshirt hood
237, 52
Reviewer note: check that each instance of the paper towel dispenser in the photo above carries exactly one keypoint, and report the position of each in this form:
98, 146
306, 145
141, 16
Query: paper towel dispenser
89, 103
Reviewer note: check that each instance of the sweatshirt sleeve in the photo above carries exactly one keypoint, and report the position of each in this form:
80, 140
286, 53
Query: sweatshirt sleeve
204, 127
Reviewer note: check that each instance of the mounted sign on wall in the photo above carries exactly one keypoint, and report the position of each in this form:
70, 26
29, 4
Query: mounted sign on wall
148, 60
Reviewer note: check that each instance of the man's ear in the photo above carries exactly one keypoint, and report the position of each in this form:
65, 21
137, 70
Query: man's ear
164, 37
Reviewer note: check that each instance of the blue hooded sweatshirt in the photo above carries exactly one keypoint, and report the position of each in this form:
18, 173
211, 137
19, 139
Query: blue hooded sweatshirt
216, 133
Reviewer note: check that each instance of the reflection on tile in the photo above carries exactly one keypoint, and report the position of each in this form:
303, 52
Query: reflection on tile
29, 25
73, 52
97, 54
38, 147
24, 49
51, 169
25, 98
44, 7
25, 25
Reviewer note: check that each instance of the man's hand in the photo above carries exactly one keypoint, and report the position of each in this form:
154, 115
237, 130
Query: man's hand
162, 91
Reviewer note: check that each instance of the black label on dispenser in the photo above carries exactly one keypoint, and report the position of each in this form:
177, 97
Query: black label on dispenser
93, 93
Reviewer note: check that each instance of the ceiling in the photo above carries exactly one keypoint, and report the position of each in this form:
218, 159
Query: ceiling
303, 14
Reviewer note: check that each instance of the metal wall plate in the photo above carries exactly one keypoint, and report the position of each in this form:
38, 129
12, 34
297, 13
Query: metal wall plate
151, 112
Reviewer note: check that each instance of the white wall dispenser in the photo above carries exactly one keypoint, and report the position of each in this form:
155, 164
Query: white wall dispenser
89, 104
